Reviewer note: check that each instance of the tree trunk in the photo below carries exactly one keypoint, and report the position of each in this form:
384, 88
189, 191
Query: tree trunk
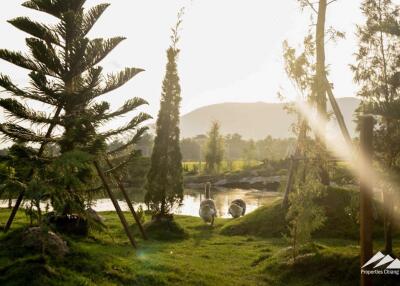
320, 83
294, 161
320, 64
388, 218
163, 211
366, 245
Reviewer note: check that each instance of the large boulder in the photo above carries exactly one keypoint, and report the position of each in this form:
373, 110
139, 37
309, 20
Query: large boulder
39, 239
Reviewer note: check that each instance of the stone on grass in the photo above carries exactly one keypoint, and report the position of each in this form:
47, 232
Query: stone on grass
38, 239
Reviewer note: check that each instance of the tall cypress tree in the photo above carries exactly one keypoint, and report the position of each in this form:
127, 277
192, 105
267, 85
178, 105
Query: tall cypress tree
65, 76
164, 179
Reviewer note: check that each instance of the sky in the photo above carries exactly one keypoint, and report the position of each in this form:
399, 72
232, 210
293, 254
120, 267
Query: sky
231, 50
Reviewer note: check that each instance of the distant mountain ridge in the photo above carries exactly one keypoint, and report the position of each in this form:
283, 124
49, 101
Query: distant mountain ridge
254, 120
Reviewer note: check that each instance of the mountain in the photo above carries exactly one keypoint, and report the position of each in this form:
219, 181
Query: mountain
254, 120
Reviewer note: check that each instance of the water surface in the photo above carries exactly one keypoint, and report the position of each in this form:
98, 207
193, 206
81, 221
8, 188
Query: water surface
191, 201
192, 198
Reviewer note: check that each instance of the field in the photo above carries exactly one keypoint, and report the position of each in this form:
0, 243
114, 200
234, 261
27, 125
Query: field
232, 166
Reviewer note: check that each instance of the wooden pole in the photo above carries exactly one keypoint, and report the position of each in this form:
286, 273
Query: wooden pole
338, 114
116, 205
125, 194
294, 161
289, 183
40, 152
366, 196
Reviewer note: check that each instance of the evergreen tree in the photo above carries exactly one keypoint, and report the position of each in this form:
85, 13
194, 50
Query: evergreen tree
377, 72
214, 149
164, 179
65, 76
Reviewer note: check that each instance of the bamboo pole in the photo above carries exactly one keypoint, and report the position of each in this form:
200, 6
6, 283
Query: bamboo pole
366, 244
125, 194
40, 152
116, 205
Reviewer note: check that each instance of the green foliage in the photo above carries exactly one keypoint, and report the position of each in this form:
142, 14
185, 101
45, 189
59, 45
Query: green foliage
194, 168
214, 149
376, 67
304, 215
72, 169
66, 76
377, 72
191, 149
164, 179
7, 174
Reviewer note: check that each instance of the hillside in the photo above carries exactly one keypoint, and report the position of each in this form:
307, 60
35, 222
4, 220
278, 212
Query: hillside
253, 120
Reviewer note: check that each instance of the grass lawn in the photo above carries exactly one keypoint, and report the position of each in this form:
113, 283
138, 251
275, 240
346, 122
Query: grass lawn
232, 166
204, 257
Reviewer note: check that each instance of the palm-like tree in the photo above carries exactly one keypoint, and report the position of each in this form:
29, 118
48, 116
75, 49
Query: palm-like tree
66, 77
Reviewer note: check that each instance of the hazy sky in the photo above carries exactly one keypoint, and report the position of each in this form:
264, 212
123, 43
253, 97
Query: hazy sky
231, 50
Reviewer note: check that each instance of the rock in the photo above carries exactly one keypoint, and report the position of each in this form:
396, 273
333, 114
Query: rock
221, 183
37, 238
94, 215
194, 185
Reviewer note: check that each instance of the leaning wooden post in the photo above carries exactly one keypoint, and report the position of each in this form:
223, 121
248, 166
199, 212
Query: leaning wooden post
115, 203
366, 195
289, 182
338, 114
125, 194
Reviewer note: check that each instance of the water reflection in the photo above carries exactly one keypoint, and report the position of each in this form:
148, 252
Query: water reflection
192, 199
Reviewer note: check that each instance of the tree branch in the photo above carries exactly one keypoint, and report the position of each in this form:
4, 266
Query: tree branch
312, 6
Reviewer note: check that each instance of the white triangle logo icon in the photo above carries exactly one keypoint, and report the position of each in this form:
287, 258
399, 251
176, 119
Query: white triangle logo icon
394, 265
375, 258
384, 261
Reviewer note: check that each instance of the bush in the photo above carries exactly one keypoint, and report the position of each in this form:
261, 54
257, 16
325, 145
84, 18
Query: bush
165, 229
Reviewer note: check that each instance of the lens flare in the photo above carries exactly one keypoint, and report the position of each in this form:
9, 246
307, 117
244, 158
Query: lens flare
359, 163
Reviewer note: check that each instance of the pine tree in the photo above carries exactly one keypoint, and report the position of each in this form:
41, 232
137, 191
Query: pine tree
65, 75
377, 72
164, 179
214, 149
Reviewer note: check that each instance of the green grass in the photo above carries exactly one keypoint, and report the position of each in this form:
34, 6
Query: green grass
237, 165
201, 256
269, 221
